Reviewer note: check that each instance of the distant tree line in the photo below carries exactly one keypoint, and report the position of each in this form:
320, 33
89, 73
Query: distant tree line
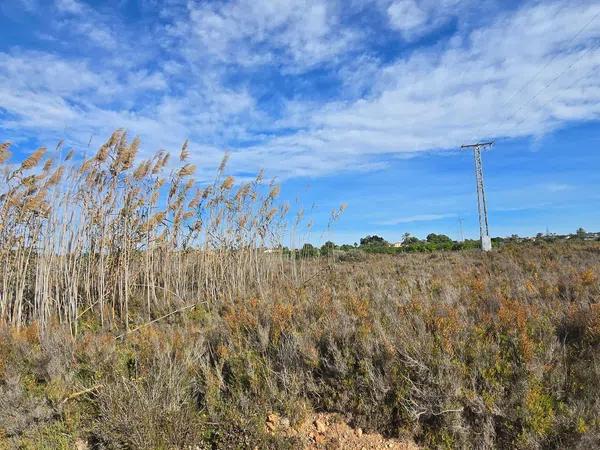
377, 244
433, 242
412, 244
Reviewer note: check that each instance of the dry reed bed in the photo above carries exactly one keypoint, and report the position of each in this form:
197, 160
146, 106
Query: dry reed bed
109, 235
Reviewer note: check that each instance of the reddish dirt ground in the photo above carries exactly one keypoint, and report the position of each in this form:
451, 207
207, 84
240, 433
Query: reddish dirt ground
331, 431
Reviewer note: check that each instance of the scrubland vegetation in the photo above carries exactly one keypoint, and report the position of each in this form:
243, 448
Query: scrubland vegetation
138, 311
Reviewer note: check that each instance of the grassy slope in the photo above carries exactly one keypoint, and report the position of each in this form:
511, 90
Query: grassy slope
455, 350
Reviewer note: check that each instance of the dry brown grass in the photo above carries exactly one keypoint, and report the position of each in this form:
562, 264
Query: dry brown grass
453, 350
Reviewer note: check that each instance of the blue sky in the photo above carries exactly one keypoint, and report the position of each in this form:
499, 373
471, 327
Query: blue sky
355, 102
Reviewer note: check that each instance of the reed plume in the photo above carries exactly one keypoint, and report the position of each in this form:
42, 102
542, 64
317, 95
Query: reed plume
184, 155
227, 183
4, 152
186, 170
34, 159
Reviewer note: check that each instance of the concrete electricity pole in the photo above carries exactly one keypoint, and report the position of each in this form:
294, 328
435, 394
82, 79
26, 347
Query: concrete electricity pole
486, 241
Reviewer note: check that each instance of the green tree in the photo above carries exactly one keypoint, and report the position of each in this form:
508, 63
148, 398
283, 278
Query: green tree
308, 250
373, 241
410, 240
438, 239
327, 248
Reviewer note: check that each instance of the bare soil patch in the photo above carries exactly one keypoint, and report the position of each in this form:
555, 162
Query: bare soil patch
332, 431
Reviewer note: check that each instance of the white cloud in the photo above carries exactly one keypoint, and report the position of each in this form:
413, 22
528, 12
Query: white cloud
97, 33
439, 100
415, 18
70, 6
406, 15
558, 187
97, 29
294, 34
52, 98
436, 98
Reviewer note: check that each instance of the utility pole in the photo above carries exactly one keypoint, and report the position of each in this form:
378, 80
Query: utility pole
461, 236
486, 241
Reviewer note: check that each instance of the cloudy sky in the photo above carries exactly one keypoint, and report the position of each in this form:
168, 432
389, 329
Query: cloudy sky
344, 101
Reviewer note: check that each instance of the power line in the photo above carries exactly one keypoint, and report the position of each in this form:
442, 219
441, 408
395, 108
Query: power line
546, 87
581, 30
555, 78
560, 74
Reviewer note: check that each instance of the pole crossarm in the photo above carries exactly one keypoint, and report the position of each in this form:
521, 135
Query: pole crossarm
479, 144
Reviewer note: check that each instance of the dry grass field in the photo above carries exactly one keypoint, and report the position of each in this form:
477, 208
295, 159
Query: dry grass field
137, 312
